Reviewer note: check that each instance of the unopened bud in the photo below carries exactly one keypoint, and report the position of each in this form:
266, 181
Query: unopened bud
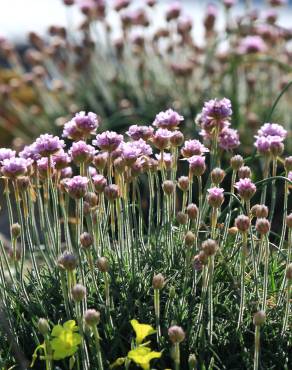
262, 226
192, 362
91, 199
242, 223
184, 183
244, 172
43, 326
236, 162
15, 230
189, 238
182, 218
102, 264
289, 221
158, 281
168, 187
78, 292
259, 318
288, 163
92, 317
209, 247
289, 272
86, 240
176, 334
217, 175
192, 211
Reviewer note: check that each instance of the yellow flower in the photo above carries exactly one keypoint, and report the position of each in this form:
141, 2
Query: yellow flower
142, 330
66, 340
142, 356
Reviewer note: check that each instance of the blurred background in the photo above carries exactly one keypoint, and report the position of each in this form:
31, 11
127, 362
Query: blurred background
128, 60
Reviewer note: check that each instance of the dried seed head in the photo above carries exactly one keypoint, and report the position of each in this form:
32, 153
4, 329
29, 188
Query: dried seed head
189, 238
168, 187
78, 292
102, 264
176, 334
182, 218
262, 226
289, 220
91, 199
158, 281
288, 163
244, 172
192, 211
242, 223
86, 240
289, 272
217, 175
209, 247
259, 318
15, 230
184, 183
43, 326
236, 162
67, 261
92, 317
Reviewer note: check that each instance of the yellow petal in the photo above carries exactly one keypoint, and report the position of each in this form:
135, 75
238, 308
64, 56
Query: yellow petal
142, 356
142, 330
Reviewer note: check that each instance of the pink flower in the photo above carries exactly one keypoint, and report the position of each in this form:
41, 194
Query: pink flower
246, 188
193, 147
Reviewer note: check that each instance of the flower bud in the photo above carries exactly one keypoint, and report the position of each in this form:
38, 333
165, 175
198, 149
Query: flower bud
158, 281
242, 223
262, 226
78, 292
209, 247
120, 165
177, 138
215, 197
99, 182
172, 292
102, 264
244, 172
100, 160
111, 192
86, 240
192, 362
182, 218
289, 272
236, 162
176, 334
259, 211
189, 238
92, 317
43, 326
184, 183
217, 175
67, 261
168, 187
200, 260
192, 211
289, 221
15, 230
91, 199
259, 318
288, 163
86, 208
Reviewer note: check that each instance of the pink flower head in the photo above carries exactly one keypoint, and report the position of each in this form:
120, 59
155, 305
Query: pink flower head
215, 114
121, 4
167, 159
197, 165
76, 186
108, 141
29, 152
252, 44
173, 11
246, 188
15, 167
229, 139
43, 164
81, 126
92, 171
161, 138
215, 197
193, 147
66, 172
136, 132
272, 129
184, 24
81, 152
47, 145
262, 144
99, 182
169, 119
61, 160
290, 175
6, 153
